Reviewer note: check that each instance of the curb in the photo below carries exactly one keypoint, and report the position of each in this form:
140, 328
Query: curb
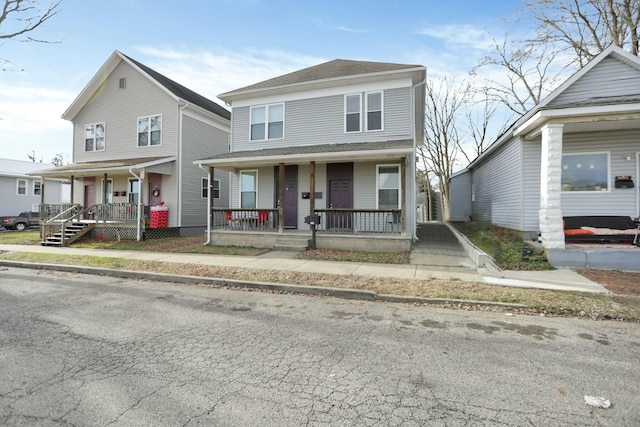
344, 293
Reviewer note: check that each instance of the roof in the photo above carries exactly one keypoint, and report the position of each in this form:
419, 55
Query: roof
324, 152
103, 166
338, 68
176, 90
18, 168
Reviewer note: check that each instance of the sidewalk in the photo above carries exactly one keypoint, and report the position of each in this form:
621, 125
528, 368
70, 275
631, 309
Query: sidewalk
449, 266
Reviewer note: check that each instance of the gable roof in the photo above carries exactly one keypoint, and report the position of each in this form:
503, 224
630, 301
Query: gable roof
174, 89
18, 168
518, 126
335, 69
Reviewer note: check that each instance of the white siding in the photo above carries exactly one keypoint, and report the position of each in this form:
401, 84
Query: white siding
498, 187
119, 109
321, 121
610, 77
460, 193
13, 204
531, 193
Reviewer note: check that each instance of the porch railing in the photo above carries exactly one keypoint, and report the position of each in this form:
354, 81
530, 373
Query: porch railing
370, 221
245, 219
115, 212
50, 210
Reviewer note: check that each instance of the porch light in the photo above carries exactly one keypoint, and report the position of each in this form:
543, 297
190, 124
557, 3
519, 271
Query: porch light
628, 157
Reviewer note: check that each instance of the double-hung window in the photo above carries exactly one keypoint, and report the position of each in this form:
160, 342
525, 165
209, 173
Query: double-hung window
94, 137
205, 188
37, 189
149, 131
585, 172
134, 191
21, 187
248, 189
352, 112
374, 111
388, 187
267, 122
108, 191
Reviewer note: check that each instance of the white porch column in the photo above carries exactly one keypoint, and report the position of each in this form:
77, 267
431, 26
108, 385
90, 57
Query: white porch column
550, 187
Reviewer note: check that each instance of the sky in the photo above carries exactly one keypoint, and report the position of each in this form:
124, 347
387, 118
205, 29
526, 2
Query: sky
214, 46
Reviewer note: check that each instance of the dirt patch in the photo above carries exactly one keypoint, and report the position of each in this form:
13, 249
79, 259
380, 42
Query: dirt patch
620, 282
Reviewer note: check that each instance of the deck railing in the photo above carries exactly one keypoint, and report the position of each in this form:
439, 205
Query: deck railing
370, 221
114, 212
245, 219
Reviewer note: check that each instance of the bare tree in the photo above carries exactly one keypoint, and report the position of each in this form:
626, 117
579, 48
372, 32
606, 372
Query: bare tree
59, 160
445, 100
587, 27
32, 156
19, 18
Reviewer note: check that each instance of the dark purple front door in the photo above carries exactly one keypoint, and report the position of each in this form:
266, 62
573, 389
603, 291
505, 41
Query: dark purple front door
89, 194
340, 183
290, 194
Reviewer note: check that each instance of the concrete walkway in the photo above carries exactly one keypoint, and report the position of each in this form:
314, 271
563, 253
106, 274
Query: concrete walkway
437, 255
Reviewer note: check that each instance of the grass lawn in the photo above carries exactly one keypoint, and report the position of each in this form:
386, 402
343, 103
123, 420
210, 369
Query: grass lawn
27, 237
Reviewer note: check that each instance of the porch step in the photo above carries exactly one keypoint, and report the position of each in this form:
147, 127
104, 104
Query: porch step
292, 244
72, 232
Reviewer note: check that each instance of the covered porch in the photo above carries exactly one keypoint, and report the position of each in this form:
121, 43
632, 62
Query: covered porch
349, 196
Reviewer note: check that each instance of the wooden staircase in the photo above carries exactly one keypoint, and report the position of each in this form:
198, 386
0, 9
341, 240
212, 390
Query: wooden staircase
72, 232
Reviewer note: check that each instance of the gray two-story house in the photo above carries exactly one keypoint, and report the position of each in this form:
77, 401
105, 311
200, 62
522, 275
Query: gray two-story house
330, 147
136, 135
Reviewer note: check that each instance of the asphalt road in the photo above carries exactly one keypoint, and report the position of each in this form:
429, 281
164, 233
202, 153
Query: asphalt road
89, 350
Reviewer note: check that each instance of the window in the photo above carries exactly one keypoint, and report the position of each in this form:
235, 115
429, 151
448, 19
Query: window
389, 187
585, 172
21, 187
149, 131
205, 188
374, 111
248, 189
109, 190
37, 189
94, 137
134, 191
267, 122
352, 107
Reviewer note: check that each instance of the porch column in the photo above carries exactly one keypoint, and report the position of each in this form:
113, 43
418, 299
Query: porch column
72, 185
550, 187
312, 189
211, 196
403, 195
281, 198
42, 190
104, 195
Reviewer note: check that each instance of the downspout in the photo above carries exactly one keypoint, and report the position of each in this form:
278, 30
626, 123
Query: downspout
415, 150
209, 213
140, 185
180, 131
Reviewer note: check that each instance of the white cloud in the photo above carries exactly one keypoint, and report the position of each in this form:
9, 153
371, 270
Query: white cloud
460, 36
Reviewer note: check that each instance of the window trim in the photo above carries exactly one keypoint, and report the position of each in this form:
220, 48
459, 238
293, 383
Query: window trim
397, 165
608, 172
240, 187
205, 187
149, 117
39, 192
129, 192
109, 193
267, 108
26, 187
84, 137
366, 108
359, 95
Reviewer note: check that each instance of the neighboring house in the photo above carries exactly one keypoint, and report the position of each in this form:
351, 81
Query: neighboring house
336, 140
577, 153
136, 134
20, 192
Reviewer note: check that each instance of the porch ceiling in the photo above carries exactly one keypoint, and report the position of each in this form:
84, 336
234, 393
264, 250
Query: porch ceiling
321, 153
109, 167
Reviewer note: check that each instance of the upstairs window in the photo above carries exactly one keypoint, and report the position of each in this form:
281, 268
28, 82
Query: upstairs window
374, 111
267, 122
149, 131
94, 137
585, 172
352, 111
388, 187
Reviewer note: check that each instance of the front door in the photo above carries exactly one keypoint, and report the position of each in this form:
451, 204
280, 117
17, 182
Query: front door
290, 194
340, 184
89, 195
155, 193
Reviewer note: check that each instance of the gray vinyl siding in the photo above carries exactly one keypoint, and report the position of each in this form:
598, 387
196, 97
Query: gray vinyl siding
321, 120
616, 201
119, 110
531, 194
13, 204
498, 187
610, 77
200, 140
460, 194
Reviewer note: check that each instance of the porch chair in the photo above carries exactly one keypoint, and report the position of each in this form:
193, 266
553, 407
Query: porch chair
231, 221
